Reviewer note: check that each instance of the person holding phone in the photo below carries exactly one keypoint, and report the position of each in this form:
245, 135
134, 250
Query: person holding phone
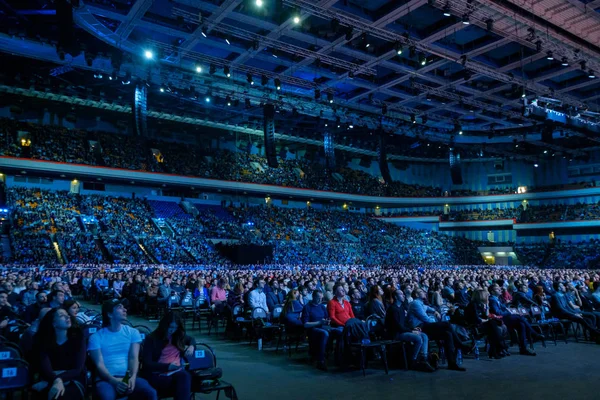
162, 357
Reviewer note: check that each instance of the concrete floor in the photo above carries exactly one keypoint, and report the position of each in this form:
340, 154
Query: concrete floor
567, 371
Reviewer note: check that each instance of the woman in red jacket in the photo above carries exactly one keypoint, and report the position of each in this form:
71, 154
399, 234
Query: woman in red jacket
339, 309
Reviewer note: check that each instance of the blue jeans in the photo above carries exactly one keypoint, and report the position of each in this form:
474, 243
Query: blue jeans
420, 342
142, 391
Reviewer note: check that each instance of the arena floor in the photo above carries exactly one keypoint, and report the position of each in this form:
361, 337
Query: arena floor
567, 371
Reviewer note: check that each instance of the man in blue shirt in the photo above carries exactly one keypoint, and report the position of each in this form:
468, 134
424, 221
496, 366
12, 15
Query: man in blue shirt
418, 319
316, 321
101, 283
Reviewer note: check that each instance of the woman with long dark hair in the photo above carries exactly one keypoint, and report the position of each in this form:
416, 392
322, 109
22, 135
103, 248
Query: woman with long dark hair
161, 361
375, 304
62, 357
292, 310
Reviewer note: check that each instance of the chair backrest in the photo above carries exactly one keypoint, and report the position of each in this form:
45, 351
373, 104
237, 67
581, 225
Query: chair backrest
188, 300
513, 311
237, 311
203, 358
523, 311
277, 310
89, 330
143, 330
14, 374
10, 351
536, 311
259, 313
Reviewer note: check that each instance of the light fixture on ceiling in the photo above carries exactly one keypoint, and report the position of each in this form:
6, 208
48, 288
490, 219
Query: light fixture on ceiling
591, 74
465, 19
227, 41
447, 10
249, 78
228, 101
564, 62
207, 98
296, 20
398, 48
549, 55
277, 84
227, 71
523, 93
203, 31
330, 98
162, 89
259, 3
413, 118
422, 59
148, 54
198, 69
489, 24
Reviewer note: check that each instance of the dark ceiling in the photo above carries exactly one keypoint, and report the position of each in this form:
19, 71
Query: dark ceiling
423, 70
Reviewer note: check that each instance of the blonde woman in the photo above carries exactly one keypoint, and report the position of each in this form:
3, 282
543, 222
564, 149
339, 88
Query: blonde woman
478, 314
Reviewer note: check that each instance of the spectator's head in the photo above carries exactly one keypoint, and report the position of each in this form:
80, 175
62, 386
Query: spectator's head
72, 307
375, 293
570, 287
355, 295
56, 319
582, 288
339, 291
7, 287
41, 298
398, 296
3, 298
171, 328
538, 291
480, 296
57, 297
275, 284
495, 290
419, 294
260, 284
559, 287
113, 313
317, 296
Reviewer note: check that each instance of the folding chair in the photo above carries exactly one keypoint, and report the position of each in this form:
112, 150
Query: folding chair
206, 376
537, 323
14, 376
260, 324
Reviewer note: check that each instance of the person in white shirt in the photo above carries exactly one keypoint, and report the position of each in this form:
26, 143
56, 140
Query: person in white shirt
257, 297
114, 349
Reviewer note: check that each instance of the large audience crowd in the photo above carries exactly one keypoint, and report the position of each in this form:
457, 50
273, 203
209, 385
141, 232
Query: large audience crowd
54, 143
95, 229
440, 313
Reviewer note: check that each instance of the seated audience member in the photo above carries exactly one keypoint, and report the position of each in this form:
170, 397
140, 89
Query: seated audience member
72, 308
375, 305
339, 309
33, 310
100, 284
114, 350
275, 296
358, 307
62, 356
448, 290
201, 294
218, 295
521, 297
164, 291
163, 351
539, 296
477, 313
397, 329
236, 296
316, 321
562, 309
292, 311
29, 296
56, 299
257, 297
6, 311
418, 318
12, 296
587, 304
461, 295
512, 321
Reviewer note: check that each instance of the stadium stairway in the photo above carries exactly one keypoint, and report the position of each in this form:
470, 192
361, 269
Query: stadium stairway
6, 250
105, 253
148, 254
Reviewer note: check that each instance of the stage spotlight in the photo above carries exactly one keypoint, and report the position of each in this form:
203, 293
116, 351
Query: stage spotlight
330, 97
227, 71
465, 19
203, 31
447, 10
398, 48
249, 78
228, 101
148, 54
413, 118
591, 74
565, 62
207, 98
162, 89
198, 69
296, 20
259, 3
422, 59
277, 84
549, 56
